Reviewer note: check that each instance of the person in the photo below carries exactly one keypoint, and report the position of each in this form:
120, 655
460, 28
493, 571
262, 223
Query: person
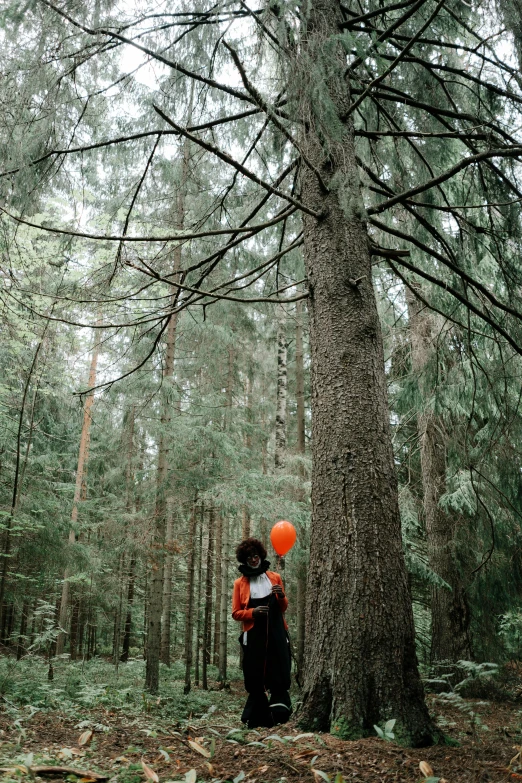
259, 603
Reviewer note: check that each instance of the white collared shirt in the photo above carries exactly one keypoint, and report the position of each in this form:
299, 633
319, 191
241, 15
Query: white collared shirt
260, 587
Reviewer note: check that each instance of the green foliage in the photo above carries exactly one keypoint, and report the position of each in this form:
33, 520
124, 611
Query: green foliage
78, 688
386, 732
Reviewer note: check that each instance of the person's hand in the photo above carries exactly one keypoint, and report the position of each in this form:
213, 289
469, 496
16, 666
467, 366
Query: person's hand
278, 591
260, 610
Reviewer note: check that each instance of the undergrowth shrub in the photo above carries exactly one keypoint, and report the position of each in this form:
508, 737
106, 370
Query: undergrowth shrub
79, 686
471, 680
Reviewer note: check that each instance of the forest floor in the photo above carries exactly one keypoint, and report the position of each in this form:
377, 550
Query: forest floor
89, 725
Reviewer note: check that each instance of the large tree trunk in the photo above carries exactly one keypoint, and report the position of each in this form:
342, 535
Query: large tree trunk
450, 617
301, 447
79, 488
360, 660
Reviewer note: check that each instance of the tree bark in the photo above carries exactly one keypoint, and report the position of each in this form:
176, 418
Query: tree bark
360, 660
131, 504
199, 567
75, 618
127, 632
83, 457
217, 602
282, 384
167, 590
450, 616
208, 598
246, 521
223, 636
301, 448
118, 613
189, 620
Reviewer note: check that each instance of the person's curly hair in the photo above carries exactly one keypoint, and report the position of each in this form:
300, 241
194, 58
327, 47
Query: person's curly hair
250, 546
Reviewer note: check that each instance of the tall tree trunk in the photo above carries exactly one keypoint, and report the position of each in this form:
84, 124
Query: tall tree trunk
189, 619
83, 457
164, 507
450, 617
145, 612
299, 379
360, 660
199, 644
131, 504
280, 422
158, 643
222, 676
74, 626
118, 614
167, 589
208, 598
81, 631
125, 648
246, 521
166, 501
301, 447
217, 602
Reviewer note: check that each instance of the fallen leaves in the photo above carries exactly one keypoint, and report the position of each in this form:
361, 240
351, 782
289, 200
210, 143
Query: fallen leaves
199, 748
156, 749
85, 738
426, 769
149, 773
67, 753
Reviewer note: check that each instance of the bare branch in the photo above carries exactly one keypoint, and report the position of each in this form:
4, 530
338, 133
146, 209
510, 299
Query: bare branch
231, 162
211, 232
152, 273
508, 152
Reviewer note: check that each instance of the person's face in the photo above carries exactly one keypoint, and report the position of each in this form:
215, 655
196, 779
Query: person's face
253, 560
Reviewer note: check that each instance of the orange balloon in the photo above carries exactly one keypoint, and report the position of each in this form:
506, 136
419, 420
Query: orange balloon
283, 537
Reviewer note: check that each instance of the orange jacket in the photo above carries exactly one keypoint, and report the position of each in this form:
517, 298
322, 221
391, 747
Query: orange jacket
241, 597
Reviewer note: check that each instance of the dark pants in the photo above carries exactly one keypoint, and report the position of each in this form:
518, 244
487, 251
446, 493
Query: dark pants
266, 667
